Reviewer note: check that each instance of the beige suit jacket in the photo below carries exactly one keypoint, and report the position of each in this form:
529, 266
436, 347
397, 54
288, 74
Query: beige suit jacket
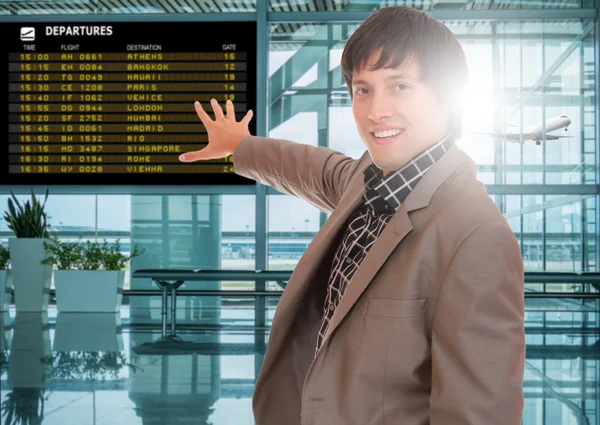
430, 329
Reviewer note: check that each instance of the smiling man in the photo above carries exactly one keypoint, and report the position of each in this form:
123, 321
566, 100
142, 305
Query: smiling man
397, 113
408, 306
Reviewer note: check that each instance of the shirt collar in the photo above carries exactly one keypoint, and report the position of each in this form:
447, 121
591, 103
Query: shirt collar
385, 194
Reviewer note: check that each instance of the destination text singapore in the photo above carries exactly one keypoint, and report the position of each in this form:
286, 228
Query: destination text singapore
79, 30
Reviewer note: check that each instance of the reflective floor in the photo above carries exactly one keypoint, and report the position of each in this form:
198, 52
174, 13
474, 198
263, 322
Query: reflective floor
73, 368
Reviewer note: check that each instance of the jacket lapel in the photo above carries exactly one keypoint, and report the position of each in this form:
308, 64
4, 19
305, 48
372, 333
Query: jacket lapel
394, 232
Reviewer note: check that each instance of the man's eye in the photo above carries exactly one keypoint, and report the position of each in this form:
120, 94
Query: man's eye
359, 90
403, 85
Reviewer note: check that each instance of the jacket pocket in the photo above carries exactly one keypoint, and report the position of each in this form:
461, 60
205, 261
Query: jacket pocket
385, 307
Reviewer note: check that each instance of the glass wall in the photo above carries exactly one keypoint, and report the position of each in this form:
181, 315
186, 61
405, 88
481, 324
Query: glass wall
523, 75
176, 231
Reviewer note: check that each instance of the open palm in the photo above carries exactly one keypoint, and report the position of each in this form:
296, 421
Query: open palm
224, 133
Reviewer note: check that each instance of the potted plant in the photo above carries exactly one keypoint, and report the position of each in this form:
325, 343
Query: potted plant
5, 279
30, 278
88, 277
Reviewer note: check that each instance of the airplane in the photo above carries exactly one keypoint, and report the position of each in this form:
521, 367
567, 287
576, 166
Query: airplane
535, 132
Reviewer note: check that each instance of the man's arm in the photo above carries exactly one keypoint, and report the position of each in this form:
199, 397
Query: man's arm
478, 340
315, 174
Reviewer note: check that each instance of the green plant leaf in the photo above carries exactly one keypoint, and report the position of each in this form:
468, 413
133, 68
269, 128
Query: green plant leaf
27, 220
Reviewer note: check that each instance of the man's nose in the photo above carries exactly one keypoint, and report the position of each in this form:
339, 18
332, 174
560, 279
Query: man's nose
380, 108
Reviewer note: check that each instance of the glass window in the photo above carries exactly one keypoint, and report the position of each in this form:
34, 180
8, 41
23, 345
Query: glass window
65, 213
525, 121
193, 231
292, 224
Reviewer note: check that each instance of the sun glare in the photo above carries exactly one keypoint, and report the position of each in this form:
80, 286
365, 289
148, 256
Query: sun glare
478, 112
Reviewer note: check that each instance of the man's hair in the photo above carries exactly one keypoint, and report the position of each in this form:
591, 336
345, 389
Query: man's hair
402, 32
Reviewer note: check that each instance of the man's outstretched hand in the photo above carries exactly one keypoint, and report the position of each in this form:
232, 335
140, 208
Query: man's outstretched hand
224, 133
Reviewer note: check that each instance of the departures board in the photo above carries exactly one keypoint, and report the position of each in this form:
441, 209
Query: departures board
113, 103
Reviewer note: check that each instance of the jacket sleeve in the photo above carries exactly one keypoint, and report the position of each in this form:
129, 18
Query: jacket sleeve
478, 339
315, 174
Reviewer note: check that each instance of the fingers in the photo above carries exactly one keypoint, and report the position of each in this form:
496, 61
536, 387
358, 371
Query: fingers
247, 118
212, 151
196, 155
188, 157
217, 109
230, 110
202, 114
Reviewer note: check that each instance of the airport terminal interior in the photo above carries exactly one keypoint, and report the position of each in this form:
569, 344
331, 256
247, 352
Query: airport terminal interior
185, 345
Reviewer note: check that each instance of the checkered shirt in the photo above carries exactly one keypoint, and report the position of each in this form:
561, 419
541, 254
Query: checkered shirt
382, 198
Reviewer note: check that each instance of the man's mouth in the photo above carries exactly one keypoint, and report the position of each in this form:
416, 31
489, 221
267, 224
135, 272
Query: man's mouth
386, 137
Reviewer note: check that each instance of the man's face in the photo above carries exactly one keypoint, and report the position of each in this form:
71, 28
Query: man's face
396, 99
